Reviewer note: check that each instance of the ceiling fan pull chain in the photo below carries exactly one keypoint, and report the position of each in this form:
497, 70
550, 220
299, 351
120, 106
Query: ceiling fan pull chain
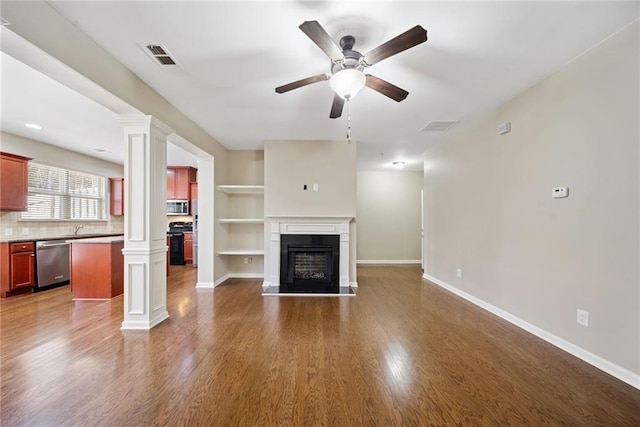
348, 122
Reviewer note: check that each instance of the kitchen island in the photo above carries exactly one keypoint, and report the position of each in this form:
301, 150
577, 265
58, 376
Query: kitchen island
97, 268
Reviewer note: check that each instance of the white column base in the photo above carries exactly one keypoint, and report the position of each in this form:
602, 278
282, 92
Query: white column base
145, 295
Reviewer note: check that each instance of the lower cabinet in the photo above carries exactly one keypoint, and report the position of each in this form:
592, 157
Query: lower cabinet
188, 248
18, 268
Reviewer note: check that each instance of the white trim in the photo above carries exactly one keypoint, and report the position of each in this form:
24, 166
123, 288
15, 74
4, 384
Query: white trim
233, 276
221, 280
144, 324
205, 285
610, 368
246, 276
353, 284
388, 262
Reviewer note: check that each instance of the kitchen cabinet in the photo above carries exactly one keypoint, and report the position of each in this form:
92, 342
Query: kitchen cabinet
17, 262
13, 182
194, 191
179, 179
188, 248
116, 196
97, 268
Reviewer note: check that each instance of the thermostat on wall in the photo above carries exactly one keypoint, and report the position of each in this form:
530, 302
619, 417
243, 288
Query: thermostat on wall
560, 192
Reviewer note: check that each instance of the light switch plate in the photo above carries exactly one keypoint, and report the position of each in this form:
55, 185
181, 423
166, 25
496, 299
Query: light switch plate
560, 192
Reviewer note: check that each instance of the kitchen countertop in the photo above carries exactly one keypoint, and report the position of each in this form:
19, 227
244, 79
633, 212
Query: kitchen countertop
103, 240
65, 237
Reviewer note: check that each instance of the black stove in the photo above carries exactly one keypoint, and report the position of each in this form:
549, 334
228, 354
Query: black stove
180, 226
176, 241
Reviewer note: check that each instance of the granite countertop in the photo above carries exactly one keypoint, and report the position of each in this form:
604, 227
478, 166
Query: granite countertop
98, 240
65, 237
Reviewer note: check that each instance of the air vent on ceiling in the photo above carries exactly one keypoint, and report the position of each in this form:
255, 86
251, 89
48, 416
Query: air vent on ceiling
160, 54
438, 125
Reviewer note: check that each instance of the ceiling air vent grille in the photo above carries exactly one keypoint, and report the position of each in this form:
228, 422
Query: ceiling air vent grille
438, 125
160, 54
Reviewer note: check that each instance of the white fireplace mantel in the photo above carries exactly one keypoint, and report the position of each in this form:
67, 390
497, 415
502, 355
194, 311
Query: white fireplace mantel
306, 225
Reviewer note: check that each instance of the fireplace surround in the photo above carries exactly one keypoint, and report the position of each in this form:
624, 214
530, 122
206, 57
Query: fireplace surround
279, 226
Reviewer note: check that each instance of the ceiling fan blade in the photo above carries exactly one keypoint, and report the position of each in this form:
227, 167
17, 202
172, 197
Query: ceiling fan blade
386, 88
336, 107
320, 37
400, 43
303, 82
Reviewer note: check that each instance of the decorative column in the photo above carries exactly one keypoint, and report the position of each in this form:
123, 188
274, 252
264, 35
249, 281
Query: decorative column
145, 237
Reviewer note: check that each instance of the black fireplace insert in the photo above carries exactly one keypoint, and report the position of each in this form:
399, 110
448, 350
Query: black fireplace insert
309, 262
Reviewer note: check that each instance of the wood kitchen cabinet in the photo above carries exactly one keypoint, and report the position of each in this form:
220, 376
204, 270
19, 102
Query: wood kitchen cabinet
13, 182
116, 196
194, 191
179, 180
188, 248
17, 262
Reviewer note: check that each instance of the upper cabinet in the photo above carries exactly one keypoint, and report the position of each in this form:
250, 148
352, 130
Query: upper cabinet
116, 198
179, 179
13, 182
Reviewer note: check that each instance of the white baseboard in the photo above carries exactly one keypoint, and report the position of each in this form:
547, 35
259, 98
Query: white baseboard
205, 285
388, 261
610, 368
353, 284
238, 276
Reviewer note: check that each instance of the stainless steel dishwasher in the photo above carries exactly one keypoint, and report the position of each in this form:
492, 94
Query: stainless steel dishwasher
52, 262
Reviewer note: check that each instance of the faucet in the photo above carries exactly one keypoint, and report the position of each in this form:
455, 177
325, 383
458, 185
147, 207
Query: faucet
76, 229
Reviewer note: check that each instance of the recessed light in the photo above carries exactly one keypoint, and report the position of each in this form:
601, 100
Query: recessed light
399, 163
33, 126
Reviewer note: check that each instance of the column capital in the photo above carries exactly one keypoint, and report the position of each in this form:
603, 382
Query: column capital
144, 120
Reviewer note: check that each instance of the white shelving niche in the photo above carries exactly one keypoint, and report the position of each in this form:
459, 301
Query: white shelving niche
244, 221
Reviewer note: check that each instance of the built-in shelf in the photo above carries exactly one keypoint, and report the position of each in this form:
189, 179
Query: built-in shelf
242, 189
244, 252
241, 221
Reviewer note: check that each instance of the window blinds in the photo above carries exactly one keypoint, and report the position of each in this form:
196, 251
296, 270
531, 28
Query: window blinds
60, 194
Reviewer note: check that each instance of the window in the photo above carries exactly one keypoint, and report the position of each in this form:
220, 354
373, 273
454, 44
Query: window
59, 194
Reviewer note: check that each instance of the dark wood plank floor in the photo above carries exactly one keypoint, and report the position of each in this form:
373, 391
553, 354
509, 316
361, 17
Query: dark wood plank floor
402, 352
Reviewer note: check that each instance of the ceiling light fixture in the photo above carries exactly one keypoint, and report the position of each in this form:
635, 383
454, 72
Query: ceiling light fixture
347, 82
399, 164
33, 126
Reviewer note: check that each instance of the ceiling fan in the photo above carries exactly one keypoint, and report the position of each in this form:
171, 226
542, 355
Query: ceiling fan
347, 75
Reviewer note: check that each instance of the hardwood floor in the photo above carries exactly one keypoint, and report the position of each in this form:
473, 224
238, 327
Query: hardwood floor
402, 352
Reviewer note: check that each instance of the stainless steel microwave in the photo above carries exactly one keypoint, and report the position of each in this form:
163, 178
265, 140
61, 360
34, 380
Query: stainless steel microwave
177, 207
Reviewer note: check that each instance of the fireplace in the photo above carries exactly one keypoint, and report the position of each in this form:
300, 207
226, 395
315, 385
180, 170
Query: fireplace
336, 229
309, 263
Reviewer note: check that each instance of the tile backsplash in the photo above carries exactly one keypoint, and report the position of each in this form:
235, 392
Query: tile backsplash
11, 227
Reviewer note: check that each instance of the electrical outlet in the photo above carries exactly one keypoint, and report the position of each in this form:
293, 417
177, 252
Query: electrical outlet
246, 260
459, 273
25, 231
583, 318
8, 231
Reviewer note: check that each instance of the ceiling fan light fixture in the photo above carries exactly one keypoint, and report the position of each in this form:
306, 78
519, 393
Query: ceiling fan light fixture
347, 82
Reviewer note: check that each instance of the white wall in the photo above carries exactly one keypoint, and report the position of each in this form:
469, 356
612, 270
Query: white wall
289, 165
389, 217
489, 210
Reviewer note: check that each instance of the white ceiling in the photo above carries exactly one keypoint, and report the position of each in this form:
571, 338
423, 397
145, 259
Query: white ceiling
232, 55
